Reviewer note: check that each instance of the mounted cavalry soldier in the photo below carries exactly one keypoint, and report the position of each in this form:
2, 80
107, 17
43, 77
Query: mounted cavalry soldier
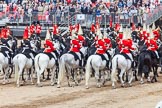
126, 47
152, 46
76, 44
49, 47
4, 48
103, 44
27, 49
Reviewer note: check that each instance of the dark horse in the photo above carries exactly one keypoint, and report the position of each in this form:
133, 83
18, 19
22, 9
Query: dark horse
146, 63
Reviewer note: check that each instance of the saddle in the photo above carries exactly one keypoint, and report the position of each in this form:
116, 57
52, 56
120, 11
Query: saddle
50, 55
153, 54
126, 56
76, 57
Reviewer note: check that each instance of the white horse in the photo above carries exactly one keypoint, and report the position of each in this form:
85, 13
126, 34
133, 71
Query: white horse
43, 62
4, 63
120, 62
67, 63
96, 63
22, 63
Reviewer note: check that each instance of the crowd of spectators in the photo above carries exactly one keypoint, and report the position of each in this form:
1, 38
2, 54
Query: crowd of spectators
21, 10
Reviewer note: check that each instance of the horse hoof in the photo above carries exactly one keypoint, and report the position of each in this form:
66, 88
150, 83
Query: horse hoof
18, 85
103, 83
142, 82
87, 87
98, 86
4, 83
39, 85
130, 85
58, 86
123, 85
52, 84
32, 83
113, 87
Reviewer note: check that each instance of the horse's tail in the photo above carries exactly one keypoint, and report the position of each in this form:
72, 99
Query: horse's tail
16, 67
114, 68
88, 69
36, 63
62, 68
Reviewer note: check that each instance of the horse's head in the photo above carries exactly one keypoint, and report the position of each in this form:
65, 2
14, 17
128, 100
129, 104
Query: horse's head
33, 45
111, 51
84, 50
56, 44
9, 42
135, 51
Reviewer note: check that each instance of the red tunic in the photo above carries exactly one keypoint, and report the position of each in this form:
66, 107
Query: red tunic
50, 47
4, 33
119, 37
156, 34
38, 29
107, 43
144, 36
117, 27
130, 43
32, 28
55, 30
71, 28
152, 45
93, 28
75, 46
101, 48
77, 27
125, 46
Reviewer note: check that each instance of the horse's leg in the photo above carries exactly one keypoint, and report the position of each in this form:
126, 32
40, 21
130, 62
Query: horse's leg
156, 73
53, 76
11, 67
118, 70
130, 73
68, 73
43, 76
39, 73
48, 74
103, 77
23, 79
108, 75
87, 77
135, 75
20, 72
5, 75
97, 76
121, 77
161, 65
31, 75
75, 74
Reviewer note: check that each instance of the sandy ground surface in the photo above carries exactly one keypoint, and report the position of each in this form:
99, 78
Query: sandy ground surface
29, 96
